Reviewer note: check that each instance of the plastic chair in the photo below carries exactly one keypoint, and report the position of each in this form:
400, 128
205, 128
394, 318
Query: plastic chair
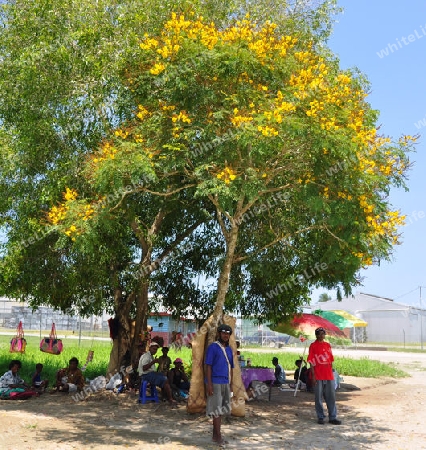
143, 398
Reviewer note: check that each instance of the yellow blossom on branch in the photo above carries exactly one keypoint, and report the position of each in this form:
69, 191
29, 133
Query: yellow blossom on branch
157, 69
227, 175
181, 117
70, 194
142, 112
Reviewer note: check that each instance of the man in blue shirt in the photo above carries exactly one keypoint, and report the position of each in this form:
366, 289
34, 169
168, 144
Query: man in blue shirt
219, 366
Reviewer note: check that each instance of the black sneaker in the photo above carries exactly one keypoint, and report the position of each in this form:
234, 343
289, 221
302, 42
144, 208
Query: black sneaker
335, 422
321, 421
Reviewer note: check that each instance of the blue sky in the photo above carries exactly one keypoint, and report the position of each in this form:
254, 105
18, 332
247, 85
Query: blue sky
365, 32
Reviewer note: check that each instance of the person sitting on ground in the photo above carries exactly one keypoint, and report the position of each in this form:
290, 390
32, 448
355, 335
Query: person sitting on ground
300, 373
279, 372
11, 381
70, 379
36, 382
147, 372
178, 379
305, 376
164, 361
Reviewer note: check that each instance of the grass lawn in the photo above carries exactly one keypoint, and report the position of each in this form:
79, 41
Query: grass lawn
52, 363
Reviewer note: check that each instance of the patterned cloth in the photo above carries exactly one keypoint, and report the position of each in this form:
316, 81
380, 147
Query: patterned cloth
7, 379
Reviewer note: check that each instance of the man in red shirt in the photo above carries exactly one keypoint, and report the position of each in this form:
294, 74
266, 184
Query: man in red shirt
321, 359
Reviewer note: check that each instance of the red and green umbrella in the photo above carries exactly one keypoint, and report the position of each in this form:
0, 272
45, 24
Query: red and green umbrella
305, 325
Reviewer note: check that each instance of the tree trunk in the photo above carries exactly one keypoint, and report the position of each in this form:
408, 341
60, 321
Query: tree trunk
122, 343
141, 320
197, 394
223, 282
208, 334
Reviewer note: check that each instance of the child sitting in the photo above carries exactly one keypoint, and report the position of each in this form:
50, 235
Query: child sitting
305, 376
37, 383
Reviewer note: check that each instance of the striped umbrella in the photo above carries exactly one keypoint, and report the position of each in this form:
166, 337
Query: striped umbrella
341, 319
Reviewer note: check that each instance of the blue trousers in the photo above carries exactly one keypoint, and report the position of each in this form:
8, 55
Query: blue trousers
325, 389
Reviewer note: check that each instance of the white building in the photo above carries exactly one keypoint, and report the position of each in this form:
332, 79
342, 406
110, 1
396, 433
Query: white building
388, 321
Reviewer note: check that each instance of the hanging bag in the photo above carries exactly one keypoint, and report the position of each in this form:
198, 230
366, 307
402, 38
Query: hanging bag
51, 344
18, 343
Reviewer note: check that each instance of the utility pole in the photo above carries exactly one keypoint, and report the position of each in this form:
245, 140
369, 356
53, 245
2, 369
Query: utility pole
421, 318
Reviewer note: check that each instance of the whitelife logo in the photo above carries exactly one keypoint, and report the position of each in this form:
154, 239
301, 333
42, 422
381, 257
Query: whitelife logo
400, 43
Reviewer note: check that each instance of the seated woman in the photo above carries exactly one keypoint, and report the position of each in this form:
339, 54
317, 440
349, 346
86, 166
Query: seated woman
11, 382
71, 378
178, 379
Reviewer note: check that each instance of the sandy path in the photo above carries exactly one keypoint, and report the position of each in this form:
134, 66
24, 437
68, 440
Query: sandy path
383, 414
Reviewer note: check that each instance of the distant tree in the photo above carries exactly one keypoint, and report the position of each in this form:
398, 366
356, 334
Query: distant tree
324, 297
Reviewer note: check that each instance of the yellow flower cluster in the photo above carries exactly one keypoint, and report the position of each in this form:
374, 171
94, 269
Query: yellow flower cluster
142, 112
328, 123
57, 214
344, 195
165, 107
315, 107
365, 259
227, 175
121, 133
72, 232
148, 43
181, 117
326, 192
385, 225
325, 96
281, 108
407, 139
107, 151
88, 212
70, 194
157, 69
267, 131
238, 119
264, 42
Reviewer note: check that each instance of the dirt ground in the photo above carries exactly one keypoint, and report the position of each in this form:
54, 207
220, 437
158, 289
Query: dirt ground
377, 414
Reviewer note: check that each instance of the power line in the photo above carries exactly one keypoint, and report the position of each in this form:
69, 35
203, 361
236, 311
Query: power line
403, 295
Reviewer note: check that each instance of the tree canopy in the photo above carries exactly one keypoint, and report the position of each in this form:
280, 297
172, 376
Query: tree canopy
267, 130
227, 145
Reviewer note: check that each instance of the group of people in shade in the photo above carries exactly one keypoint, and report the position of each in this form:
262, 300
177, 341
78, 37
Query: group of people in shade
173, 382
302, 375
219, 369
68, 379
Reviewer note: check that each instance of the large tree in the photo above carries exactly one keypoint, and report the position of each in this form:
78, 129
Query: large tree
62, 92
267, 131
